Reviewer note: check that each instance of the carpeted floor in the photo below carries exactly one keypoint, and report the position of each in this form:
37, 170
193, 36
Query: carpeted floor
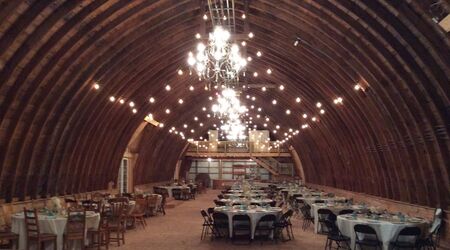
181, 227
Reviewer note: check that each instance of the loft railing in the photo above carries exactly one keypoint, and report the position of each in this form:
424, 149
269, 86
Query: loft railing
236, 147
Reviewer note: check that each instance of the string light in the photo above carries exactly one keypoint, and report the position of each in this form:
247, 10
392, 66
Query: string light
121, 101
180, 101
281, 87
298, 100
305, 115
318, 104
288, 112
205, 17
338, 100
96, 86
131, 104
251, 35
244, 43
168, 88
244, 16
134, 111
151, 100
269, 71
274, 102
264, 89
191, 88
258, 54
180, 72
167, 111
322, 111
112, 98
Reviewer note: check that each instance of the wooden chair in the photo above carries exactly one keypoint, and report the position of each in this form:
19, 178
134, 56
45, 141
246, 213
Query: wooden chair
99, 237
75, 227
139, 212
117, 222
33, 233
152, 200
7, 238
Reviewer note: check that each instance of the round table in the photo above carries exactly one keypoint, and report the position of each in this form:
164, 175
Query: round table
335, 208
49, 224
244, 201
255, 215
387, 228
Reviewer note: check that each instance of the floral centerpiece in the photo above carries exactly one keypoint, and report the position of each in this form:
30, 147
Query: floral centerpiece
56, 204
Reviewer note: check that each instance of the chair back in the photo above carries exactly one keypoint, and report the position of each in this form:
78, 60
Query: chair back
268, 220
365, 232
219, 203
240, 219
273, 203
437, 221
210, 211
220, 218
220, 196
117, 211
326, 214
141, 205
205, 216
76, 222
31, 222
409, 234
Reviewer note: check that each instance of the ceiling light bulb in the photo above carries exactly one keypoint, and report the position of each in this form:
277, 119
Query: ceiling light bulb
244, 16
267, 119
264, 89
249, 58
269, 71
180, 101
112, 98
121, 101
253, 98
243, 43
168, 88
322, 111
196, 118
198, 36
224, 17
318, 104
161, 125
305, 116
191, 88
192, 131
288, 112
277, 126
298, 100
96, 86
131, 104
134, 111
255, 74
167, 111
251, 35
180, 72
185, 125
281, 87
314, 119
357, 87
204, 109
151, 100
274, 102
258, 54
205, 17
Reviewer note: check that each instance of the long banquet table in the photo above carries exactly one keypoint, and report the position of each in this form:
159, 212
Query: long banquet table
255, 215
387, 228
49, 224
171, 188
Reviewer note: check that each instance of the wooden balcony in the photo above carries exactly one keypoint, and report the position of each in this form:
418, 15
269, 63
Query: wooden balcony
233, 149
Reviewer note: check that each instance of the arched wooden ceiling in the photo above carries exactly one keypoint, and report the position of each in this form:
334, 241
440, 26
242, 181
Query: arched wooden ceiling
59, 135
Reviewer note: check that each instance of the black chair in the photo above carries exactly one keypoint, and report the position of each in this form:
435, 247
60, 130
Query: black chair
366, 236
407, 238
176, 193
346, 211
284, 223
220, 225
220, 196
434, 235
207, 225
254, 204
273, 203
219, 203
265, 227
210, 211
324, 215
242, 228
307, 218
335, 235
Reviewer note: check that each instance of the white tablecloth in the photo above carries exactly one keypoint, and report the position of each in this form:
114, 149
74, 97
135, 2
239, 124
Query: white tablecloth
387, 231
334, 208
54, 225
231, 195
170, 188
242, 201
254, 214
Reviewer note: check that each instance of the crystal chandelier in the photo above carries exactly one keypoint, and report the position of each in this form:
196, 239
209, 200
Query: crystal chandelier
229, 108
219, 61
